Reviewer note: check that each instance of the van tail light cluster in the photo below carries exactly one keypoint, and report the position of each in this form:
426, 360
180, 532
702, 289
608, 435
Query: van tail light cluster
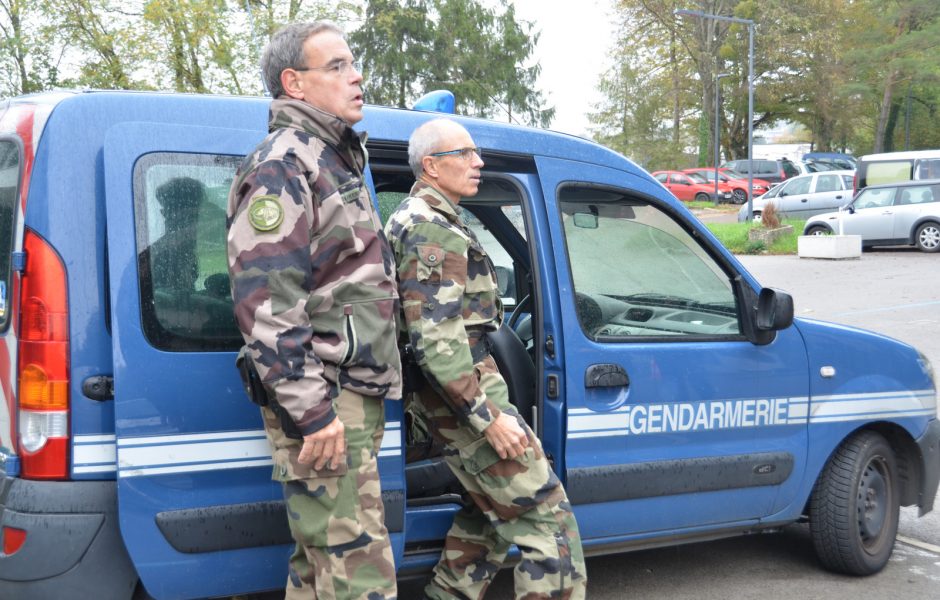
43, 367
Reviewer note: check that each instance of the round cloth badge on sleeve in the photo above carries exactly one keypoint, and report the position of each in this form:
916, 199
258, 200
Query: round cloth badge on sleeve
265, 213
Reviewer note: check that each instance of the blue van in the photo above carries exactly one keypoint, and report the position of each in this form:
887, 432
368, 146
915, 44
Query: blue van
678, 399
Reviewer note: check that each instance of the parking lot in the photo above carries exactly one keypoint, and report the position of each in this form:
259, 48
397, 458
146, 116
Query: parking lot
893, 291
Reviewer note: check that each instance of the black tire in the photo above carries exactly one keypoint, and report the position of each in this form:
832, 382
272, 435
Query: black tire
818, 230
739, 196
702, 197
854, 508
927, 237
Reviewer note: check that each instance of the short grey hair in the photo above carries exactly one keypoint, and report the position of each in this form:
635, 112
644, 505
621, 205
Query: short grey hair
426, 140
285, 50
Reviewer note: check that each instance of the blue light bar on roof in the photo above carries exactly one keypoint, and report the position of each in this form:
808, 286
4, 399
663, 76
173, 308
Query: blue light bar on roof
437, 101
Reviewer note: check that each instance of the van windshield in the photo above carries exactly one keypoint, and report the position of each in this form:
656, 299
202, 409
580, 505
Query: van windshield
9, 185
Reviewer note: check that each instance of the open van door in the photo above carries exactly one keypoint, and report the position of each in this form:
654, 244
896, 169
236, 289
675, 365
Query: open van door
675, 417
199, 513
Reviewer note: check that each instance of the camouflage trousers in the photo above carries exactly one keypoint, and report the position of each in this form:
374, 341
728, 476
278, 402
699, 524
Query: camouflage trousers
514, 501
336, 517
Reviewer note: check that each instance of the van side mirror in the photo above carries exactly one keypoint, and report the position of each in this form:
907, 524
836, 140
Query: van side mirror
774, 310
764, 313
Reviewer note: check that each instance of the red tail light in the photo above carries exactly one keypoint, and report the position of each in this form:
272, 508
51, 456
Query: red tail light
13, 539
43, 363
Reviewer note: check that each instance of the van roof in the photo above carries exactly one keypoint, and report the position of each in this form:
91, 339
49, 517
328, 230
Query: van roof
908, 155
906, 183
381, 122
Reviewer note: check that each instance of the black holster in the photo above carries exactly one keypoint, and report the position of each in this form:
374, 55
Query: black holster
251, 380
412, 377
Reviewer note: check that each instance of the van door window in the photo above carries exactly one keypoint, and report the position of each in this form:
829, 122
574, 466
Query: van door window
928, 168
493, 195
179, 213
638, 273
9, 186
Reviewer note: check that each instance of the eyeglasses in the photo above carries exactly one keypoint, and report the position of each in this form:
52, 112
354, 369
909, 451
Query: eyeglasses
464, 153
340, 67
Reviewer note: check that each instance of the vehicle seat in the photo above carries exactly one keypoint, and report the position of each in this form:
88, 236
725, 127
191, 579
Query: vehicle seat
431, 476
515, 365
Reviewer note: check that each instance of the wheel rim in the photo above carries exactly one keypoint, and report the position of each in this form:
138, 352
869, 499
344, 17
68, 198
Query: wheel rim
874, 501
740, 196
929, 237
817, 231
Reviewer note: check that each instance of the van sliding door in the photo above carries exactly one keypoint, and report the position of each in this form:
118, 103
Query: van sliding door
199, 513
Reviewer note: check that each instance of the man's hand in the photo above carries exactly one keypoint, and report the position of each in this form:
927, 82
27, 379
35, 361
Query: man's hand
325, 446
506, 436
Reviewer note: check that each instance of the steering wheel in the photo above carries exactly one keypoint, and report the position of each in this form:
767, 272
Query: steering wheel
521, 308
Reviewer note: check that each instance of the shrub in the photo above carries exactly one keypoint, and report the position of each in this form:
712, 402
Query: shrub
768, 217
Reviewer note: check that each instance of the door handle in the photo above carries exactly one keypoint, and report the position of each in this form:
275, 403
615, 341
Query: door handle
605, 375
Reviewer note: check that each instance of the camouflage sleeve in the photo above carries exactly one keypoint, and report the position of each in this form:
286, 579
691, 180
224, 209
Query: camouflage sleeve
432, 276
269, 262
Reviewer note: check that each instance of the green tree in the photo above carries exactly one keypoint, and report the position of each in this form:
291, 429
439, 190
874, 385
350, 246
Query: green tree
410, 47
894, 58
28, 62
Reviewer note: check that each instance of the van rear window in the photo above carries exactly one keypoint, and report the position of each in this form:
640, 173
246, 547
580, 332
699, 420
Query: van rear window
9, 187
888, 172
179, 214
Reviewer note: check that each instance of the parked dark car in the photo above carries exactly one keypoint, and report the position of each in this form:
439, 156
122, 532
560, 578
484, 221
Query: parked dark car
773, 171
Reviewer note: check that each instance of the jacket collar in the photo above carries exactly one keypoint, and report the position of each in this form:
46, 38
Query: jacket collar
436, 200
297, 114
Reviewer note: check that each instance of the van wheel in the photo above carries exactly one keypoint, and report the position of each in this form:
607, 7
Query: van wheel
853, 511
756, 216
701, 197
927, 237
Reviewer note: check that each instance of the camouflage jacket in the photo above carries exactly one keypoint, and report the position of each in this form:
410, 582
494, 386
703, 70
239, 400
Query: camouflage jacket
449, 294
312, 273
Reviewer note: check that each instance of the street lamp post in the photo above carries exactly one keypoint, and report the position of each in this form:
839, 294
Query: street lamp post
750, 93
717, 129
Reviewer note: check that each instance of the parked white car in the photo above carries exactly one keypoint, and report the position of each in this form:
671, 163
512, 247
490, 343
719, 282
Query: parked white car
804, 196
888, 215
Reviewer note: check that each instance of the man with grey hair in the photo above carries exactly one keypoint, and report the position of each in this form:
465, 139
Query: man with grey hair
450, 302
315, 298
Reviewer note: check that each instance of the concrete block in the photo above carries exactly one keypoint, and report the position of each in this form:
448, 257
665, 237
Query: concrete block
829, 246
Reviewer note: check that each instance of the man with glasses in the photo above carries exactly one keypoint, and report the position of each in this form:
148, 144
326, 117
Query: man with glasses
450, 300
315, 299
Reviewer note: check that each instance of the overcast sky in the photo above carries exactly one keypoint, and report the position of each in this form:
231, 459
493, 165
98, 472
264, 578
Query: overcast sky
573, 50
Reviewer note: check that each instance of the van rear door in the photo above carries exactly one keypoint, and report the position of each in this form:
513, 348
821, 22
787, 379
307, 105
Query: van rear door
199, 513
674, 419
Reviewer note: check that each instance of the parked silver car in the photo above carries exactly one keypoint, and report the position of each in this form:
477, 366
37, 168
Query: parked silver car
804, 196
888, 215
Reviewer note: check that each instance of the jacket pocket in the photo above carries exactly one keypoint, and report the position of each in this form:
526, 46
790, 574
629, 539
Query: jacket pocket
480, 272
430, 263
370, 332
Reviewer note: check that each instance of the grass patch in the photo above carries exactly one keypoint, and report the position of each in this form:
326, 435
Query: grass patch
733, 236
699, 204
